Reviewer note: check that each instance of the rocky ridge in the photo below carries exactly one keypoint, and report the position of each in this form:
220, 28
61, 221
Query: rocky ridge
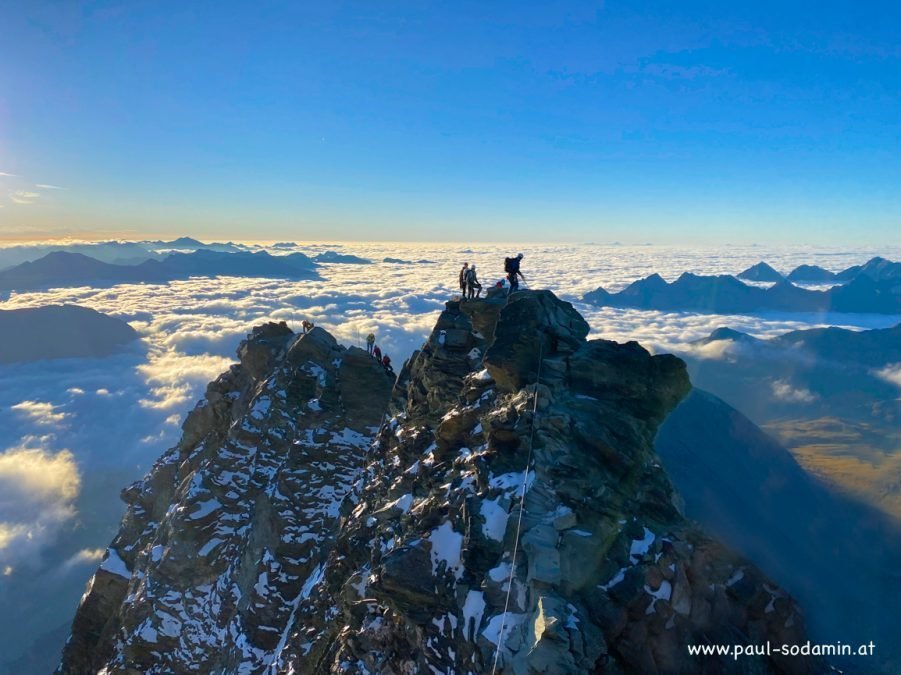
228, 530
257, 545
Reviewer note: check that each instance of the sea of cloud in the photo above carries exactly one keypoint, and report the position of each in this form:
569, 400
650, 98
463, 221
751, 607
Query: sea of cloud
74, 432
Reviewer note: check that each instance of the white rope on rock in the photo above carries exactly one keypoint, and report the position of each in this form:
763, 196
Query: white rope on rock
522, 499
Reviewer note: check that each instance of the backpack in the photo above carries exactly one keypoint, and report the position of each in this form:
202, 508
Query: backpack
511, 265
470, 275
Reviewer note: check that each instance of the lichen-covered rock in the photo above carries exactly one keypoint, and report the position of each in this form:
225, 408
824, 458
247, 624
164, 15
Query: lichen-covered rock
511, 512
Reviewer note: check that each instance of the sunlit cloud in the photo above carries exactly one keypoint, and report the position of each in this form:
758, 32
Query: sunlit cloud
23, 197
786, 392
45, 186
891, 373
38, 488
10, 175
85, 556
40, 412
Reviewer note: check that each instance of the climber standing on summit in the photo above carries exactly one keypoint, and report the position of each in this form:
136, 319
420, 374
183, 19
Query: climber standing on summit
464, 272
511, 267
473, 287
370, 343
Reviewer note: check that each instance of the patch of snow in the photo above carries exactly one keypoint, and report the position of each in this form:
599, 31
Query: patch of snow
512, 481
147, 632
114, 564
737, 576
447, 547
665, 592
473, 610
619, 576
260, 408
498, 629
205, 509
495, 516
641, 546
501, 572
572, 618
402, 503
316, 371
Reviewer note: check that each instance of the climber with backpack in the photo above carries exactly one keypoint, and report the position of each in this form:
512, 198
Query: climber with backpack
370, 343
377, 353
511, 267
472, 283
386, 362
463, 273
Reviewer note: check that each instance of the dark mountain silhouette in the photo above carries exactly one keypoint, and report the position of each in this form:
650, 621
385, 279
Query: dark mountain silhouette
75, 269
878, 269
189, 243
810, 274
725, 294
400, 261
725, 333
745, 488
241, 264
838, 368
761, 272
106, 251
335, 257
62, 269
60, 331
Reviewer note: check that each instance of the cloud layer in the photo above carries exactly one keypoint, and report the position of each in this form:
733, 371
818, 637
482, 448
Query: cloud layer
74, 432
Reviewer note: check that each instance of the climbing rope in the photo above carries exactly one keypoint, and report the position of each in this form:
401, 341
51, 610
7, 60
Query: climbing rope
522, 505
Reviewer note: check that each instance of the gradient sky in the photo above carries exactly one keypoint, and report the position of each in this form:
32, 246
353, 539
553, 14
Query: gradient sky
633, 121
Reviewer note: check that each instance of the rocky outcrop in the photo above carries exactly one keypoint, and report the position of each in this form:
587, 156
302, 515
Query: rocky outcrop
511, 512
221, 539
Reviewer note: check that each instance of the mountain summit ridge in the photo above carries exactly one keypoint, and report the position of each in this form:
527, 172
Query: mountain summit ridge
262, 544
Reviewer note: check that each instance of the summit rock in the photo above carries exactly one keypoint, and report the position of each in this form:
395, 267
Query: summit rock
510, 511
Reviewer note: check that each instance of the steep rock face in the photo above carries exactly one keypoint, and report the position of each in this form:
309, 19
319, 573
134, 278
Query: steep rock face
222, 537
608, 576
511, 512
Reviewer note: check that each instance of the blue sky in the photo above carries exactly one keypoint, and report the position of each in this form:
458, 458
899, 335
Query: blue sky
577, 121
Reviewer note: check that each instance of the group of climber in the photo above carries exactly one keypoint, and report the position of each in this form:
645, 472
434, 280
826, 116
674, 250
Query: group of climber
375, 352
472, 289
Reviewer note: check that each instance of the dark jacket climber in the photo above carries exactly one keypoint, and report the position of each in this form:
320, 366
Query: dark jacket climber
511, 267
377, 353
386, 362
463, 272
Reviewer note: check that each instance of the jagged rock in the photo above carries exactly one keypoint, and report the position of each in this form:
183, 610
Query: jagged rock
261, 557
222, 539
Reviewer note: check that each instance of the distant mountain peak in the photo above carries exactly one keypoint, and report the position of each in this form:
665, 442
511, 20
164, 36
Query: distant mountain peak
761, 272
